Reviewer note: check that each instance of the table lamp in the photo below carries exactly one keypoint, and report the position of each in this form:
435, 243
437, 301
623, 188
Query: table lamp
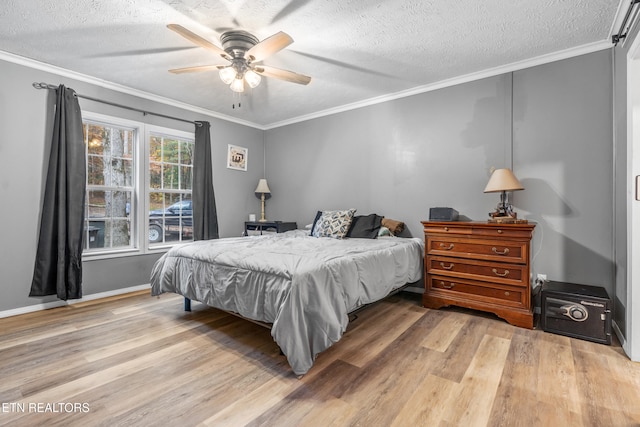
501, 181
263, 192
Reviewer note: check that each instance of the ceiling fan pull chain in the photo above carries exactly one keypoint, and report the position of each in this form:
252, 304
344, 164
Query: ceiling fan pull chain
237, 99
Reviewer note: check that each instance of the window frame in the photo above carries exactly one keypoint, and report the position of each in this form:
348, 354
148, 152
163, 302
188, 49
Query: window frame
139, 224
154, 130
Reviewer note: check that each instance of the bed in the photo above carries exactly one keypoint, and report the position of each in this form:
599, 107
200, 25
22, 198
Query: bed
304, 287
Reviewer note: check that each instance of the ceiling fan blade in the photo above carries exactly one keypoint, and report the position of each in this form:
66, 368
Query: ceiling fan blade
194, 38
289, 9
196, 69
344, 64
281, 74
269, 46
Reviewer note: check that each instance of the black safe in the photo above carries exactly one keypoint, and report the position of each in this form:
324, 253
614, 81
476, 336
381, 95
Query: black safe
578, 311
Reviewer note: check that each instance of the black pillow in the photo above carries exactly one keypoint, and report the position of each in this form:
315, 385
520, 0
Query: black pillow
318, 215
365, 226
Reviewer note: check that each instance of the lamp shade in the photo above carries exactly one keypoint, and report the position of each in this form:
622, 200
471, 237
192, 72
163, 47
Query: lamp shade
237, 85
503, 180
263, 187
227, 74
252, 78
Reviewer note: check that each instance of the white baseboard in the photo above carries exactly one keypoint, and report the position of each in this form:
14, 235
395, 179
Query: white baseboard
60, 303
616, 330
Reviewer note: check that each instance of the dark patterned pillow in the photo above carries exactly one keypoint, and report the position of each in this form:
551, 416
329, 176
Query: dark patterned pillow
333, 224
365, 227
315, 221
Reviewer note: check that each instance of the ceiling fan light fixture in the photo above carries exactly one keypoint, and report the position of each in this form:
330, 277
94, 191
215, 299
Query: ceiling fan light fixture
237, 85
253, 79
227, 75
243, 50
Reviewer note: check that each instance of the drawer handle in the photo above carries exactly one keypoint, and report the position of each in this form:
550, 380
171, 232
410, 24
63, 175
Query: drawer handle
496, 251
446, 229
446, 248
505, 274
449, 286
446, 267
499, 231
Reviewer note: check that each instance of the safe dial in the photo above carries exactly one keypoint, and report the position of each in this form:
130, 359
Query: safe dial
575, 312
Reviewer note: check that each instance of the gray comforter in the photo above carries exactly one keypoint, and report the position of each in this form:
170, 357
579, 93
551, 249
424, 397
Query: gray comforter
305, 286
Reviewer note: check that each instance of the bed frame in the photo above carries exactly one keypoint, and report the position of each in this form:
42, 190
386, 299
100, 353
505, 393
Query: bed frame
353, 315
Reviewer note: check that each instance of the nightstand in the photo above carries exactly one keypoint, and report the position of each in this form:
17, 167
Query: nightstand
277, 226
479, 265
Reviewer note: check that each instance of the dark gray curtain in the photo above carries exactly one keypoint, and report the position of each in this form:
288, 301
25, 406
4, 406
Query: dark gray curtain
58, 266
205, 215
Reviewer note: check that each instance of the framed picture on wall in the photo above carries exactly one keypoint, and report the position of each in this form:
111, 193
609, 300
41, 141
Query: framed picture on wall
237, 157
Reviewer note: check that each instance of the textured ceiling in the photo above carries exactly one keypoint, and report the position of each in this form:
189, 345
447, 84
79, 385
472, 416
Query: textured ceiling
355, 50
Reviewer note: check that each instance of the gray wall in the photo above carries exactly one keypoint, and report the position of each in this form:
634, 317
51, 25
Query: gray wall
563, 153
24, 146
395, 159
402, 157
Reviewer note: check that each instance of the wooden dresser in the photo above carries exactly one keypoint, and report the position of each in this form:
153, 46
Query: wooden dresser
479, 265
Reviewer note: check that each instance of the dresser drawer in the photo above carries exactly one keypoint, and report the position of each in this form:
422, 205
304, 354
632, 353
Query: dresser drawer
502, 232
452, 228
465, 289
493, 250
510, 274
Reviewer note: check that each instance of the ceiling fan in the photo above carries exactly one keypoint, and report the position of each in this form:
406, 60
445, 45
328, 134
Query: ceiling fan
245, 52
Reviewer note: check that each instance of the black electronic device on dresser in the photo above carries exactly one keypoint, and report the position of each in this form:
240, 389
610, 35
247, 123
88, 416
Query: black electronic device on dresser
578, 311
443, 214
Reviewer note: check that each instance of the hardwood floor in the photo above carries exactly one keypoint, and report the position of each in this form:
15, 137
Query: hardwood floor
141, 360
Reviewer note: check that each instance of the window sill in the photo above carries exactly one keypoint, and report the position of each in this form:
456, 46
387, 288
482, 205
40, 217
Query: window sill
128, 252
124, 253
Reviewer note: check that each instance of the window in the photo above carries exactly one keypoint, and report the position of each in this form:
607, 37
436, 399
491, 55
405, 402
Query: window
170, 178
139, 181
110, 185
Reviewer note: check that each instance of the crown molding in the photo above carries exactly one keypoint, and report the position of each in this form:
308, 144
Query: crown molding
491, 72
63, 72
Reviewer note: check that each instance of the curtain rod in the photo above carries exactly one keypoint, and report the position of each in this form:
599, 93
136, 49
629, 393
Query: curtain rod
53, 87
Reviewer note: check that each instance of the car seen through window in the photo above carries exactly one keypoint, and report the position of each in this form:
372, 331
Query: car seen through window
173, 223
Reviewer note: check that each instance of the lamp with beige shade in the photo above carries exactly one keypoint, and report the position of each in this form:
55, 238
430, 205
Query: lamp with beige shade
262, 191
501, 181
